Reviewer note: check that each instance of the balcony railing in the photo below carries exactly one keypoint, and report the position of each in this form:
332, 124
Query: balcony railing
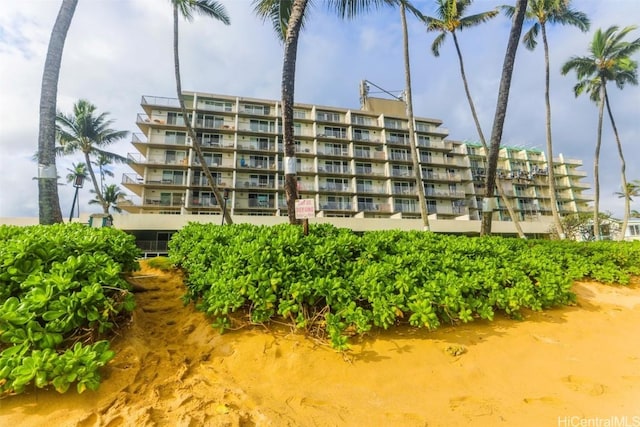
402, 173
373, 207
370, 189
130, 178
404, 191
336, 206
444, 193
334, 169
335, 187
257, 184
256, 146
160, 101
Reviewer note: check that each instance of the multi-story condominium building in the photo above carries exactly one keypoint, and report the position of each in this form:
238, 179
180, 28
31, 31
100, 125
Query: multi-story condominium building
353, 163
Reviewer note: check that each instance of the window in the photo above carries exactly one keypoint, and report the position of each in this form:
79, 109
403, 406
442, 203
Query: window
364, 168
264, 181
326, 116
364, 186
212, 159
299, 114
361, 135
429, 189
174, 157
203, 198
210, 139
432, 206
426, 157
401, 170
336, 184
398, 138
178, 138
209, 121
336, 150
261, 126
424, 141
209, 104
422, 127
172, 177
393, 124
363, 152
261, 110
400, 154
407, 188
405, 205
453, 189
334, 167
335, 132
362, 120
175, 119
261, 200
200, 179
366, 204
634, 230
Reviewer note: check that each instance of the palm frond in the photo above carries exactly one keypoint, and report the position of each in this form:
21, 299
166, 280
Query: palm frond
530, 37
437, 43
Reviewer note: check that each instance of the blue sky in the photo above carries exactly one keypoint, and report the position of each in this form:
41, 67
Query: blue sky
119, 50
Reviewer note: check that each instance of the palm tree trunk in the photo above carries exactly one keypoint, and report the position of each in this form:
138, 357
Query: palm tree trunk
288, 88
552, 178
48, 200
623, 167
96, 188
192, 134
424, 214
503, 196
596, 164
500, 114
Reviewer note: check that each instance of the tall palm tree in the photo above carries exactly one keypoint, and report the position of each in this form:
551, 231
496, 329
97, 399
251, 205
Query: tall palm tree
424, 214
541, 13
632, 190
77, 174
111, 196
287, 18
608, 61
48, 200
501, 111
449, 19
89, 133
102, 162
186, 9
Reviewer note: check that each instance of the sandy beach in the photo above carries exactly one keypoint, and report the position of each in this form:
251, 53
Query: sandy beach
561, 367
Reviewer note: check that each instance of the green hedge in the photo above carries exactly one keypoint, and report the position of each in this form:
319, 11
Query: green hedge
61, 291
343, 282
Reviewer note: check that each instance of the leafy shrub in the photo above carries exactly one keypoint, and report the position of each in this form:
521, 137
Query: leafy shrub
61, 289
335, 282
160, 263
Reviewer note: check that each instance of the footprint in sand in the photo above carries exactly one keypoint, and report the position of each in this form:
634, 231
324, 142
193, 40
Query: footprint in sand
584, 385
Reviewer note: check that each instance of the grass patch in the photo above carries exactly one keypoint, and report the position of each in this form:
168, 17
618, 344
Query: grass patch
160, 263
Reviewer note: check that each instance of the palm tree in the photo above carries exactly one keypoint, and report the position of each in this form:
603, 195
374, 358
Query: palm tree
424, 213
609, 60
632, 190
77, 174
48, 200
287, 18
450, 18
186, 9
87, 132
102, 162
501, 111
541, 12
111, 196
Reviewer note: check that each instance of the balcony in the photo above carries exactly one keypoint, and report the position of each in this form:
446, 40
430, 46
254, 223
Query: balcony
160, 101
257, 146
436, 145
162, 202
373, 207
336, 152
403, 157
439, 176
203, 202
459, 194
404, 191
335, 188
367, 189
340, 170
257, 184
335, 206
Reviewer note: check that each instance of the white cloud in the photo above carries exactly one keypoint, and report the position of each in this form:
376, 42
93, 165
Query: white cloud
117, 51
